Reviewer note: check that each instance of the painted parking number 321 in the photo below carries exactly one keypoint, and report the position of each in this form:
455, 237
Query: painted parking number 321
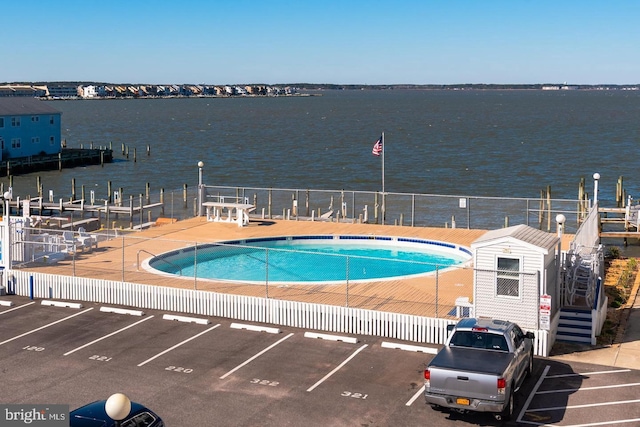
354, 395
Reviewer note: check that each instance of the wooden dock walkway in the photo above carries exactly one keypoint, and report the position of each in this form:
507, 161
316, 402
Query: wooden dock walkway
67, 158
618, 220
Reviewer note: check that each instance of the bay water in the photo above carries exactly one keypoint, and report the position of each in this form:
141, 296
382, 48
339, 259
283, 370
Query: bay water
477, 142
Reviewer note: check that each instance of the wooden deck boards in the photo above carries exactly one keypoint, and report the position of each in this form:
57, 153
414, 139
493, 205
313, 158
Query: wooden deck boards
117, 259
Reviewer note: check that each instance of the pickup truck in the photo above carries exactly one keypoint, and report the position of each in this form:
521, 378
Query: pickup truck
482, 365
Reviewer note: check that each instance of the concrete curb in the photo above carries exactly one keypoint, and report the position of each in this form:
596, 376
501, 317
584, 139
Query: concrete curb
331, 337
407, 347
121, 311
255, 328
61, 304
186, 319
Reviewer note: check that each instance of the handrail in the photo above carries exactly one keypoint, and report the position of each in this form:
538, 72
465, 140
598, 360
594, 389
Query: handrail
156, 256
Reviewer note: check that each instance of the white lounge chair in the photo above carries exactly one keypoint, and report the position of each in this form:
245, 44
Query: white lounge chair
70, 243
87, 240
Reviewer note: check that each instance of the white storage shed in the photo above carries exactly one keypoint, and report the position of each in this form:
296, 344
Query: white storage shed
514, 267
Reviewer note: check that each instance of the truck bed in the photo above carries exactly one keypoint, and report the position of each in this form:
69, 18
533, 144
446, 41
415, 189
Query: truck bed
471, 360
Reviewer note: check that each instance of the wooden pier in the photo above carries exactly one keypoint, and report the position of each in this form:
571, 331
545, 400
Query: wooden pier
617, 217
66, 158
73, 214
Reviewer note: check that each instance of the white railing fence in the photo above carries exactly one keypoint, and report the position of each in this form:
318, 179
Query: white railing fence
254, 309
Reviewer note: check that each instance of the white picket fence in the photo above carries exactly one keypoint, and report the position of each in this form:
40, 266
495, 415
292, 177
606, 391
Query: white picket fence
295, 314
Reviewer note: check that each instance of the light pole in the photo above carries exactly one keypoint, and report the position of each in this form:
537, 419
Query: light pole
200, 187
560, 219
596, 177
118, 407
6, 238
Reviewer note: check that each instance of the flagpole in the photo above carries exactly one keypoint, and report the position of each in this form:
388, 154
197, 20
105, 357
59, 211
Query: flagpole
384, 149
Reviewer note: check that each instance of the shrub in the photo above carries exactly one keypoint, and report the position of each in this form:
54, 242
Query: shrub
614, 252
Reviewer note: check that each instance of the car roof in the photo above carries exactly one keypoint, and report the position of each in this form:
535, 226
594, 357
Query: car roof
94, 414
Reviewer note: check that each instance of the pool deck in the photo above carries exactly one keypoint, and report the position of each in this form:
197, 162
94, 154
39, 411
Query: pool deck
118, 259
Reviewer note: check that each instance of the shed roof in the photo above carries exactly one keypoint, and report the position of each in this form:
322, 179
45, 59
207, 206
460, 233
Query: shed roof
524, 233
23, 106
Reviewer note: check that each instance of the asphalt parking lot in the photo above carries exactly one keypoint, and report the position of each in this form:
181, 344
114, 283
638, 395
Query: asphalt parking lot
219, 372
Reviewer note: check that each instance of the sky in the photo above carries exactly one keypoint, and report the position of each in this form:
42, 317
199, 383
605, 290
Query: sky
330, 41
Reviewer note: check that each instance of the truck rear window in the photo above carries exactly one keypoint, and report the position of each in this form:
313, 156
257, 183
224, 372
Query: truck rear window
473, 339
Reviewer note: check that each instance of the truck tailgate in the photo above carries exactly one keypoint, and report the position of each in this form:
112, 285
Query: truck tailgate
474, 374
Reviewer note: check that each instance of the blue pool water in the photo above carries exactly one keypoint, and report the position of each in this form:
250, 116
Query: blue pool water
318, 259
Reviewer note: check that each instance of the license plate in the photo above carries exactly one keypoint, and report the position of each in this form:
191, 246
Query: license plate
462, 401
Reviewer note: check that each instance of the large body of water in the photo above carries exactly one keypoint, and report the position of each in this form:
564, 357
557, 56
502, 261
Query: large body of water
479, 143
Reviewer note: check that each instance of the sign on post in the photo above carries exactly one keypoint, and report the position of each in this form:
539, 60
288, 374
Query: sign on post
545, 312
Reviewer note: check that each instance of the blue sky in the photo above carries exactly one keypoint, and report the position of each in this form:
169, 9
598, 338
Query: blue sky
329, 41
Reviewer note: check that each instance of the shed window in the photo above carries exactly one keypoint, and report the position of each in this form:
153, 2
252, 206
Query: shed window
1, 122
508, 277
15, 122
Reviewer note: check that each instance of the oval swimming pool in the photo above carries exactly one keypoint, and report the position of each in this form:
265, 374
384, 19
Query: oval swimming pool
322, 259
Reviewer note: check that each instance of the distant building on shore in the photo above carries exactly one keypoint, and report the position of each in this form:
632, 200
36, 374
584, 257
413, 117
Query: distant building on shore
97, 91
28, 127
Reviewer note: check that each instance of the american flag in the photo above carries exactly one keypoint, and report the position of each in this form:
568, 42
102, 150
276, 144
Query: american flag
377, 147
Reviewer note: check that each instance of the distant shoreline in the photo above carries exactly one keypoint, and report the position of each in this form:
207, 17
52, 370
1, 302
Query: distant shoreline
117, 98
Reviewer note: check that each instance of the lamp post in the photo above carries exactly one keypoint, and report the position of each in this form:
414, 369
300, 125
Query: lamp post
6, 238
200, 187
118, 407
560, 219
596, 177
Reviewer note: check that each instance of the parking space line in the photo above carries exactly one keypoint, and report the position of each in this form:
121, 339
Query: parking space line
587, 405
45, 326
415, 396
582, 374
246, 362
573, 390
601, 423
177, 345
532, 394
107, 336
18, 307
337, 368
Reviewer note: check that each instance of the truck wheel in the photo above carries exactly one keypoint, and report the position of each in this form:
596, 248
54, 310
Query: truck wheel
507, 413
